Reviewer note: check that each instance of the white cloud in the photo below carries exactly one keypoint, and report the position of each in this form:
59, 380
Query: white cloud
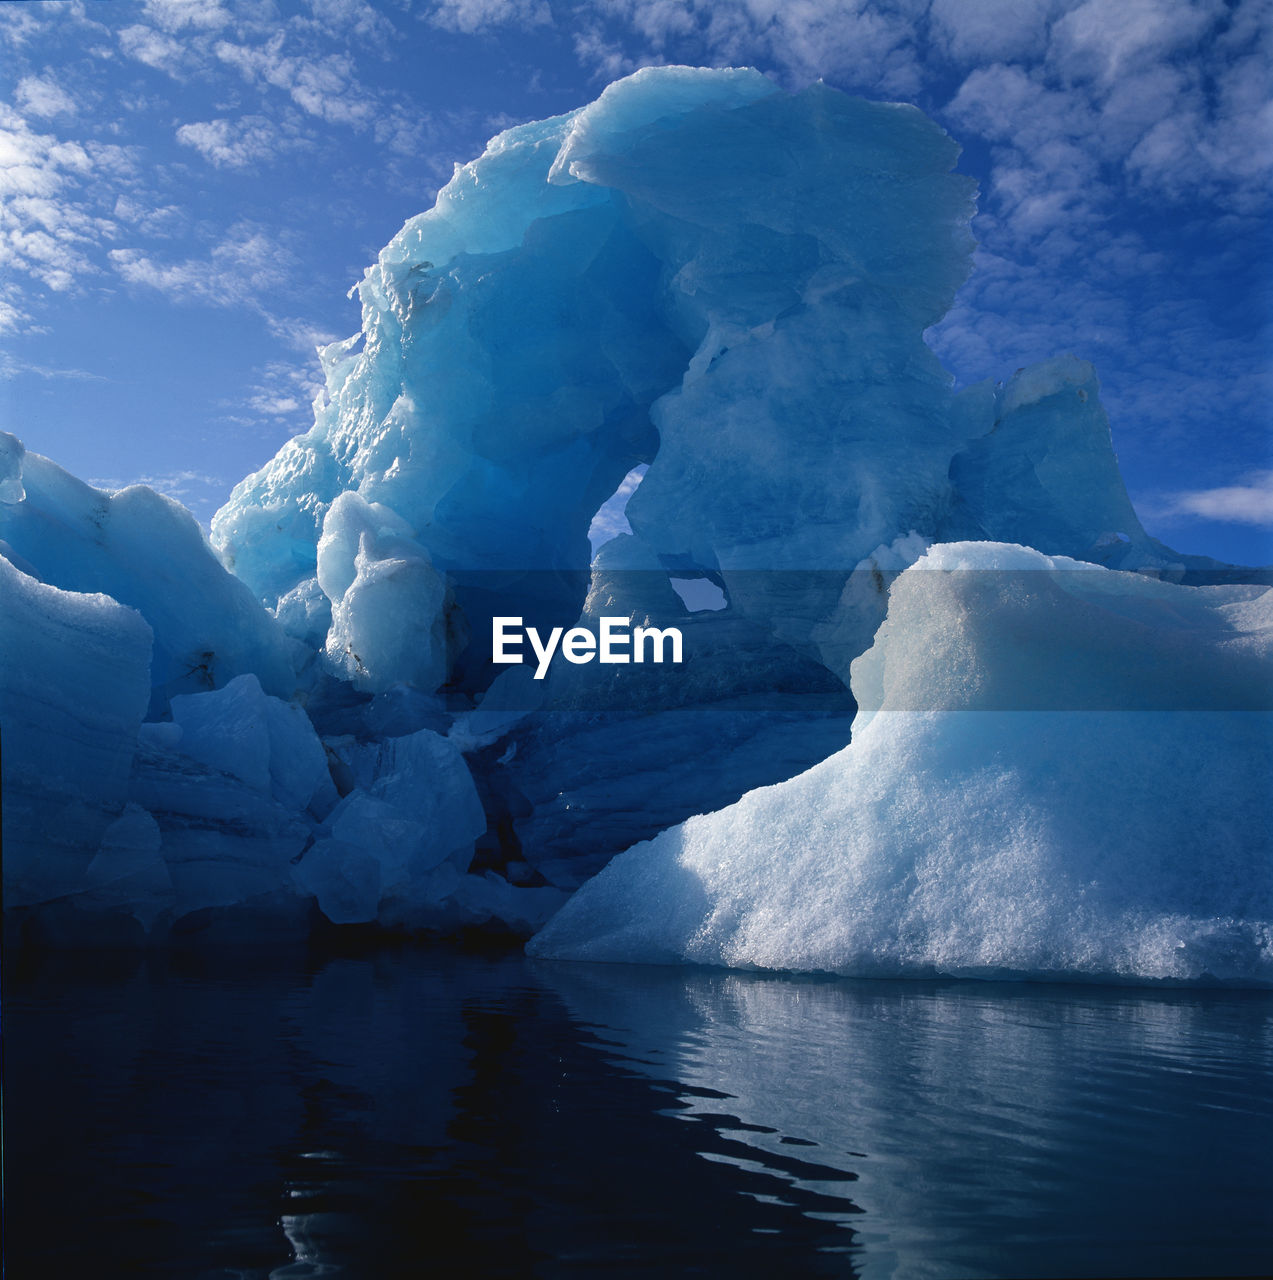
470, 16
14, 317
231, 144
154, 49
47, 216
402, 131
607, 59
301, 335
988, 31
1008, 104
353, 17
18, 23
180, 15
245, 268
323, 86
12, 368
1106, 41
198, 491
869, 44
41, 97
1176, 98
286, 392
1247, 502
152, 220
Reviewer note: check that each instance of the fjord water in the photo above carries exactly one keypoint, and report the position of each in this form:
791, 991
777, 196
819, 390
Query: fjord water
416, 1112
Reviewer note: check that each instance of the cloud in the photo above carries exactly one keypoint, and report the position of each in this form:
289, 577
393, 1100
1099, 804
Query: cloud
14, 318
50, 188
150, 219
1087, 102
164, 483
869, 44
18, 23
231, 144
353, 17
187, 15
12, 368
246, 268
1120, 111
40, 97
154, 49
608, 59
198, 491
1106, 41
991, 31
471, 16
286, 392
324, 86
302, 336
1247, 502
1175, 99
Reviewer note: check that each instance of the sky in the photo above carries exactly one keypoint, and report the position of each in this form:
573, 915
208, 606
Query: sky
188, 189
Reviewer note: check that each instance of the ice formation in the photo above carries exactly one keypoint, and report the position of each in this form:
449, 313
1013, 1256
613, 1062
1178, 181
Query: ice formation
146, 551
74, 684
727, 285
1056, 770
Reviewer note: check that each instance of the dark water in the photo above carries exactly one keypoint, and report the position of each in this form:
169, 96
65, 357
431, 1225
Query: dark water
418, 1113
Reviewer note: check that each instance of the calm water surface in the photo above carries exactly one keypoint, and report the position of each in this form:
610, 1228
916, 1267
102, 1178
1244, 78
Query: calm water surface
416, 1113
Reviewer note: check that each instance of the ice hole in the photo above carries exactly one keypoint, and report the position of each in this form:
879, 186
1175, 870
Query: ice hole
610, 520
699, 595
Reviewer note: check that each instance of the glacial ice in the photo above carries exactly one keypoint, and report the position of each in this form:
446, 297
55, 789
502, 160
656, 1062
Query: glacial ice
74, 687
412, 808
388, 625
1057, 769
146, 551
728, 286
263, 741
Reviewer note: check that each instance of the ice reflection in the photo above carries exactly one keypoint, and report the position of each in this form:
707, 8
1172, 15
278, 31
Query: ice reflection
991, 1129
261, 1118
374, 1115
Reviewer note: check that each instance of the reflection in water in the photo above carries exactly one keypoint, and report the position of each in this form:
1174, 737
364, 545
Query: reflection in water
996, 1129
417, 1111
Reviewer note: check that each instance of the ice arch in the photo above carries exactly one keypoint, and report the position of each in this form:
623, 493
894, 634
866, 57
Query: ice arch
696, 272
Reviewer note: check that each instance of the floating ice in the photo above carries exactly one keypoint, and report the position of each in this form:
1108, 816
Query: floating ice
1058, 770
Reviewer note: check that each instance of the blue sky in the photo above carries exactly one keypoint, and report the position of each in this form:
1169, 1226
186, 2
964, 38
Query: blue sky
188, 188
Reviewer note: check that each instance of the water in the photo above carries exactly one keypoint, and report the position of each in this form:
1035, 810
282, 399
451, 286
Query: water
421, 1112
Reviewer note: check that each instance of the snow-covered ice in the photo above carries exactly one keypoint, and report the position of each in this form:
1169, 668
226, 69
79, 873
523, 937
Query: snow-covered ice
1057, 770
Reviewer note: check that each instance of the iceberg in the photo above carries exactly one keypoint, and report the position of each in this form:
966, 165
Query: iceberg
1057, 770
939, 686
729, 285
662, 278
